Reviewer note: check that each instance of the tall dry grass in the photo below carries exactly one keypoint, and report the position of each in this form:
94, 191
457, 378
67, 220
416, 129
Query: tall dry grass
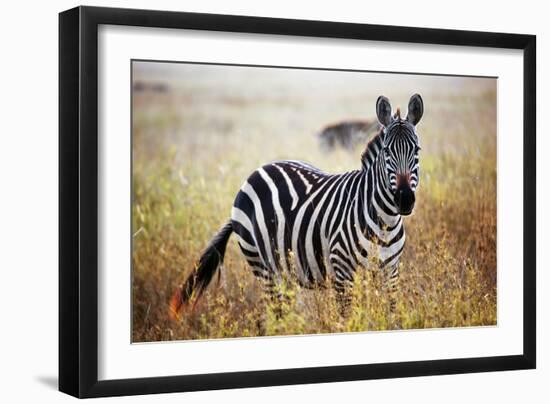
195, 144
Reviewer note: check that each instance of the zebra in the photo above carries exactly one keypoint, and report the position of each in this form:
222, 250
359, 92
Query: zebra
347, 134
291, 216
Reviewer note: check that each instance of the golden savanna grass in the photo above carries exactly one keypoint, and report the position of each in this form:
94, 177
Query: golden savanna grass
198, 139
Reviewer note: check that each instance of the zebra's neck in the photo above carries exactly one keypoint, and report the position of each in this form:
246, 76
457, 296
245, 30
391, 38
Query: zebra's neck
379, 201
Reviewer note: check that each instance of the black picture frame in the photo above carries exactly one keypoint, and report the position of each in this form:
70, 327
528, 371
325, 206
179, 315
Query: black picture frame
78, 200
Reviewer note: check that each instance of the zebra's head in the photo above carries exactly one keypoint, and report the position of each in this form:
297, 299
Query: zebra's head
400, 148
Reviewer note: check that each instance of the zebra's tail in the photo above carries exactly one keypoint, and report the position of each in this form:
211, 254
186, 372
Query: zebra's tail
204, 271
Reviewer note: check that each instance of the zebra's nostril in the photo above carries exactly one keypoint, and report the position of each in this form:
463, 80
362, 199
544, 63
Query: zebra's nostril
398, 196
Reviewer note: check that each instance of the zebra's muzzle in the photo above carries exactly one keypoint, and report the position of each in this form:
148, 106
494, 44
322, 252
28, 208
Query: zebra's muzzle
404, 200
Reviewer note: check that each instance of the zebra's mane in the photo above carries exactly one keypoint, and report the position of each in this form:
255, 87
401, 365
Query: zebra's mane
369, 155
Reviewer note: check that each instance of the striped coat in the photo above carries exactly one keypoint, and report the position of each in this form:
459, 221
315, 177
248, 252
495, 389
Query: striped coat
315, 223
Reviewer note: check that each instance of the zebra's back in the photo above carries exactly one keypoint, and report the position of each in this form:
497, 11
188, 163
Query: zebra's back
277, 218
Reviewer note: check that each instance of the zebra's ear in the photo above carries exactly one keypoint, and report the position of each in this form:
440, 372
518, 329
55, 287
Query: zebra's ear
383, 110
416, 109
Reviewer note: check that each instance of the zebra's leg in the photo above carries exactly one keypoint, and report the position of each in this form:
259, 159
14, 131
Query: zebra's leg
271, 279
343, 284
278, 300
261, 272
343, 296
391, 284
272, 286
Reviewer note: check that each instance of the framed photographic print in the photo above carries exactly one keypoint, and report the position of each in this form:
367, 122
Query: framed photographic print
251, 201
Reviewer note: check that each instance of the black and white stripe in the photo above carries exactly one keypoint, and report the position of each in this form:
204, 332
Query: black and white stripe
290, 217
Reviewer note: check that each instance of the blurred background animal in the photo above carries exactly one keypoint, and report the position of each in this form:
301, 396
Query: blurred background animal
347, 134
